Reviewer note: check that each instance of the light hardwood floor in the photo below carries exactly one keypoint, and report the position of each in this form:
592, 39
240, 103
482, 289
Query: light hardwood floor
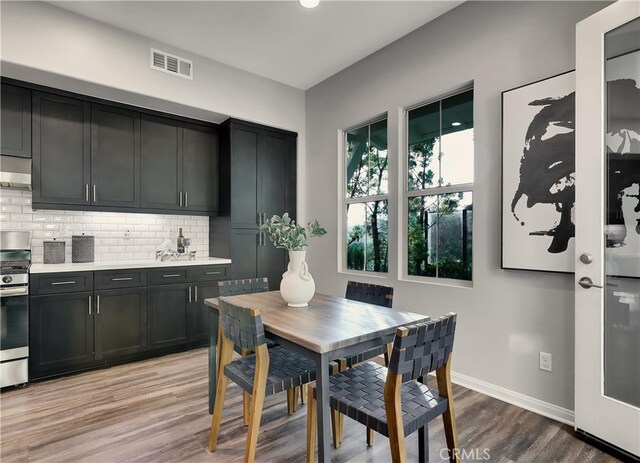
156, 411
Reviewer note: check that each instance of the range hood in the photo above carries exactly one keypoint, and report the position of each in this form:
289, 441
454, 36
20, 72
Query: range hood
15, 172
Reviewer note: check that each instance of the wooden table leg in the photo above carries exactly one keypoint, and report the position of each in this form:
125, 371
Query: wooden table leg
322, 402
213, 359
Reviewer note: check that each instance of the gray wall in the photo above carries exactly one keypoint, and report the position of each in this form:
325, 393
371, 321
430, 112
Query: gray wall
508, 316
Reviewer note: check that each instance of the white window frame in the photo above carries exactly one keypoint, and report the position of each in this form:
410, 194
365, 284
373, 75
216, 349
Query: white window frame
343, 200
405, 193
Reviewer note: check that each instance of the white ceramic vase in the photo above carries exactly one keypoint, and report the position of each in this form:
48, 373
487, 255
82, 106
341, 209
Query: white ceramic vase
297, 286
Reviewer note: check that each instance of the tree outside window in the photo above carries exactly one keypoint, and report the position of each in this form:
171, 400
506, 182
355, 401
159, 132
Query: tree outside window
439, 188
366, 197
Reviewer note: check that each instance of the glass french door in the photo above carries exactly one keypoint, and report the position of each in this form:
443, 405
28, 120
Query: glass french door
607, 215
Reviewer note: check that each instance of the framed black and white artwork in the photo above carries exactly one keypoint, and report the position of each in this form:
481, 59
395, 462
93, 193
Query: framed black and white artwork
538, 175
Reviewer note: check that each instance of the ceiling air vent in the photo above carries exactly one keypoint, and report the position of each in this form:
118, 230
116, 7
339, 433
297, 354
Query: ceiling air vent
171, 64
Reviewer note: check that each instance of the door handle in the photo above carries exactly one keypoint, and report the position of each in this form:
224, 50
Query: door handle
89, 305
587, 283
196, 295
189, 293
98, 305
122, 279
259, 218
180, 195
186, 199
56, 283
173, 275
94, 193
86, 192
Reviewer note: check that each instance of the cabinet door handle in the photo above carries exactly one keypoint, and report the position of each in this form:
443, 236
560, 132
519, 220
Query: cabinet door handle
122, 279
98, 305
86, 192
186, 199
89, 305
189, 293
196, 294
259, 219
56, 283
180, 194
94, 193
173, 275
212, 273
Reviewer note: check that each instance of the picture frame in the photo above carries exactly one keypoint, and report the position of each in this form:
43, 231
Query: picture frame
538, 175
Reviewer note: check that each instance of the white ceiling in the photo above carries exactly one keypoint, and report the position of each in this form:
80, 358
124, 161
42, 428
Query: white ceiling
279, 40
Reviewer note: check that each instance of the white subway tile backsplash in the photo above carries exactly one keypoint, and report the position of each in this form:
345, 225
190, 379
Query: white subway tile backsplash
146, 231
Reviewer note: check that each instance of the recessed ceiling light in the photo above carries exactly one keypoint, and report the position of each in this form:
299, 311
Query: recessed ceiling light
309, 3
456, 124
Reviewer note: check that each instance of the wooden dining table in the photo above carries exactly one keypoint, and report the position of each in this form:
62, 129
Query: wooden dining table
327, 329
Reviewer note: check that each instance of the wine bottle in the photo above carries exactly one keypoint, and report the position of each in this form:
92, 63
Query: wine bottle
180, 242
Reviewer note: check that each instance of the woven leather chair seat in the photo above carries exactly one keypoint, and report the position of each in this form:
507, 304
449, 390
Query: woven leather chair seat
359, 394
287, 369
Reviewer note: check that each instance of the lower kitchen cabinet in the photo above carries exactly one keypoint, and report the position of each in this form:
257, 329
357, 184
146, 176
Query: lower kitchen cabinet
120, 322
61, 332
201, 312
170, 313
113, 316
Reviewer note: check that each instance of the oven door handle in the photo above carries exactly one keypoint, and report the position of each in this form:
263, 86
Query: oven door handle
7, 292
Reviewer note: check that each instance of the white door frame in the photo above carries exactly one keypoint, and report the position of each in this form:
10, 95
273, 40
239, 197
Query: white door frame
611, 420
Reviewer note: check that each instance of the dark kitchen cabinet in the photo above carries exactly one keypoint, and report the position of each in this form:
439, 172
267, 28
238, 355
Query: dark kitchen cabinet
200, 168
61, 150
245, 249
120, 322
61, 332
179, 165
201, 312
170, 315
115, 156
257, 180
15, 119
243, 190
161, 169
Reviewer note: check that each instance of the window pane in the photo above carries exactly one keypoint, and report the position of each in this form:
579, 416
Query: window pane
456, 159
367, 236
356, 236
377, 233
455, 223
424, 147
378, 162
422, 234
357, 162
440, 236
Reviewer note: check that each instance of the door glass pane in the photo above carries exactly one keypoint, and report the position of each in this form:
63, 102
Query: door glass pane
622, 218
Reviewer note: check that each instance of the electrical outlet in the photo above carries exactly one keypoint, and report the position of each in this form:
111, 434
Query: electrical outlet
546, 361
127, 234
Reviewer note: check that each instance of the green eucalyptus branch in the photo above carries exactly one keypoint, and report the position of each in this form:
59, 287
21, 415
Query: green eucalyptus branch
285, 233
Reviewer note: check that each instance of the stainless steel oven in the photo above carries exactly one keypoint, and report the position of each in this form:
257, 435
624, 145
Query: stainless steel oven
15, 258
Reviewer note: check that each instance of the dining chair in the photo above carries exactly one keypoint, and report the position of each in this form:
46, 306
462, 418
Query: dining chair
262, 374
250, 286
396, 401
371, 294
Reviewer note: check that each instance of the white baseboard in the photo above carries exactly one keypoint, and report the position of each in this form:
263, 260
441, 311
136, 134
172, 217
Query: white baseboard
538, 406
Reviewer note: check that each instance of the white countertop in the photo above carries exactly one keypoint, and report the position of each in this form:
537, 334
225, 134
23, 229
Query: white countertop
123, 264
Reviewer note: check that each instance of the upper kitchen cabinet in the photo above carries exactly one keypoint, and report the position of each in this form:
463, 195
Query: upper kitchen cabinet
200, 168
261, 166
91, 154
179, 165
115, 156
61, 150
161, 169
15, 117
